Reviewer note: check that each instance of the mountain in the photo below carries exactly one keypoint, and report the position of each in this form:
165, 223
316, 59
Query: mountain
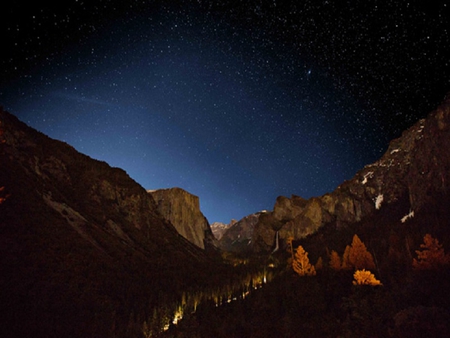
84, 250
409, 184
238, 236
219, 228
182, 209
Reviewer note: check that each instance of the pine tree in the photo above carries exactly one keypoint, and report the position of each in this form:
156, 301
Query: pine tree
346, 265
365, 277
359, 257
335, 261
432, 255
301, 263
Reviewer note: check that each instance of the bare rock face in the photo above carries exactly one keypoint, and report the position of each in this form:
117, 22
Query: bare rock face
238, 237
415, 168
182, 209
288, 208
219, 228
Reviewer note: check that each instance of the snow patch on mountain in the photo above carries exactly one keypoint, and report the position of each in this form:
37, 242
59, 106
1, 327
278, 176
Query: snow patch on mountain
378, 201
408, 216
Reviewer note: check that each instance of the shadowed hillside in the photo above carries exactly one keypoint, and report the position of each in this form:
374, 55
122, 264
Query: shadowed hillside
84, 251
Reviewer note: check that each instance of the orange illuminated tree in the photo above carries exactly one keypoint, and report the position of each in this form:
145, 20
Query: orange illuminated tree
346, 265
432, 255
335, 261
356, 256
301, 264
365, 277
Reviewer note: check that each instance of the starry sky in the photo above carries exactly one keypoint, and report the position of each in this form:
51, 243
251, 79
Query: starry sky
237, 102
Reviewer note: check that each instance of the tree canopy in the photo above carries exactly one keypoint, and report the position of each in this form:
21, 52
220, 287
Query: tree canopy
365, 277
432, 255
356, 256
301, 264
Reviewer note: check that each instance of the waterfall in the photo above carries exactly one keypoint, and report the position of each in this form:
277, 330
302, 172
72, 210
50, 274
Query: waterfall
277, 246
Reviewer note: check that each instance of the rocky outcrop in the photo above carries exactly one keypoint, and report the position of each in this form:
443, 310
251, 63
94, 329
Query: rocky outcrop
415, 168
238, 237
219, 228
182, 209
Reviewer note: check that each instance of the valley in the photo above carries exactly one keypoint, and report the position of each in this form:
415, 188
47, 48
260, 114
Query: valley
87, 252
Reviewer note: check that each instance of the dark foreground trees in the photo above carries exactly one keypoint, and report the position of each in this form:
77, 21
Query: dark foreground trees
335, 303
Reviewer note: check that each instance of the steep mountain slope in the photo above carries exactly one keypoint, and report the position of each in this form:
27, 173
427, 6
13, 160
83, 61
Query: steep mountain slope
182, 209
219, 228
238, 237
83, 249
412, 179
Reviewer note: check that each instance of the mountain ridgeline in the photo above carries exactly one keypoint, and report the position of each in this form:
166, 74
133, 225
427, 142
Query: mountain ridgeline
410, 184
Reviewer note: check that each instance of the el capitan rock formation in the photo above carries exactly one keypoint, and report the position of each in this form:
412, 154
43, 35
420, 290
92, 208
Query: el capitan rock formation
182, 209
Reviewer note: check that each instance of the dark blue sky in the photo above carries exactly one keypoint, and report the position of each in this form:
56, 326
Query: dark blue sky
236, 102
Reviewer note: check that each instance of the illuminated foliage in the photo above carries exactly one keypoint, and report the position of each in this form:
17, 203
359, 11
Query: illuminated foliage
358, 256
346, 259
301, 264
335, 261
432, 255
365, 277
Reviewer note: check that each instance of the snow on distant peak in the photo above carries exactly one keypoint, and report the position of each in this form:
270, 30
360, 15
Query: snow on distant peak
366, 176
378, 201
408, 216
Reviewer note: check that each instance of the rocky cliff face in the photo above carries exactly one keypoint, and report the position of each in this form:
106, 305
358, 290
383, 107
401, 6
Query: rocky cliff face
238, 237
415, 170
182, 209
219, 228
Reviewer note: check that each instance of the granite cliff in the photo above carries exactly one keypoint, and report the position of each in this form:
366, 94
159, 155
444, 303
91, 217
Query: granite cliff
219, 228
182, 209
413, 175
238, 236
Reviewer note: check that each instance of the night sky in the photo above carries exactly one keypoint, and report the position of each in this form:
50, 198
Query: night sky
237, 102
